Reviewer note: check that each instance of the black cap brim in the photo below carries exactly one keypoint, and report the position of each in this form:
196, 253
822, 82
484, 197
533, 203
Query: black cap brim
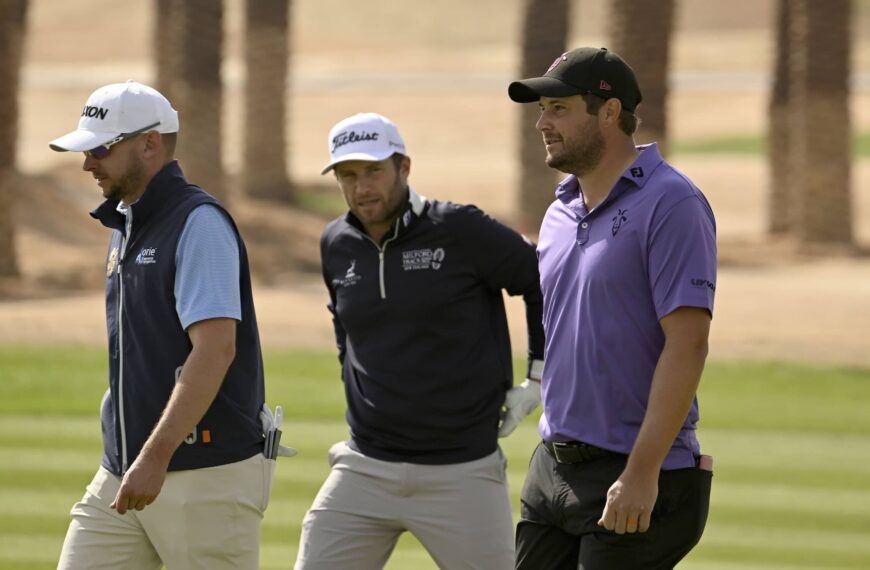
531, 90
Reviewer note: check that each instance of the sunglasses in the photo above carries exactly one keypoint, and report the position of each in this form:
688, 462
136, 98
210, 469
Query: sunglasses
102, 151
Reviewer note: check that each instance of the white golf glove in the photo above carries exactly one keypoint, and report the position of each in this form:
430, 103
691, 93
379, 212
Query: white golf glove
271, 431
519, 402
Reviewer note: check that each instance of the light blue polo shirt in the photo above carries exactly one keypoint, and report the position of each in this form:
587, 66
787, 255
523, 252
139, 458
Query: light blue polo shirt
608, 277
206, 267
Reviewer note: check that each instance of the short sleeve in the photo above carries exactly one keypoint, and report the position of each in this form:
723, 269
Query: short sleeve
207, 268
682, 257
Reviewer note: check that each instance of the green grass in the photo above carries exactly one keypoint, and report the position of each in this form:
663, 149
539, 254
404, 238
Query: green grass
791, 446
752, 145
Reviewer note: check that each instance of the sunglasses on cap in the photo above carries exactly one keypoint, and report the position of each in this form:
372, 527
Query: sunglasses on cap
102, 151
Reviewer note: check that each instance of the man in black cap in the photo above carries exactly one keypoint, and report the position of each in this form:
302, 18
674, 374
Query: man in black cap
627, 258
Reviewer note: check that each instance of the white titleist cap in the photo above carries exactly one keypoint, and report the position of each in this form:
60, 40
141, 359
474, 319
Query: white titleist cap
116, 109
364, 136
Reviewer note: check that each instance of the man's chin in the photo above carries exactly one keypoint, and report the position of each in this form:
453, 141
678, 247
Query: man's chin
558, 163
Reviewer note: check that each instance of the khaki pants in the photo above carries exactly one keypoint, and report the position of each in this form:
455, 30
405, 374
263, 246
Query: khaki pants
460, 513
203, 519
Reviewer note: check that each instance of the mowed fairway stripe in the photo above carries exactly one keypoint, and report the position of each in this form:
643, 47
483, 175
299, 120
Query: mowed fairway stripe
31, 552
792, 460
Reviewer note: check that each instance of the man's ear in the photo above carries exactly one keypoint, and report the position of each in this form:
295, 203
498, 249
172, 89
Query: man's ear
610, 111
153, 144
405, 166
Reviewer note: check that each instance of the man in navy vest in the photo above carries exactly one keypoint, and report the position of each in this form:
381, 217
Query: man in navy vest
183, 481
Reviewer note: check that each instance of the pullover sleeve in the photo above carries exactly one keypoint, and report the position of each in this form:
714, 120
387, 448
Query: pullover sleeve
340, 335
507, 260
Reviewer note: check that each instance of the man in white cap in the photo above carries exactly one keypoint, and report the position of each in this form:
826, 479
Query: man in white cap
183, 481
416, 296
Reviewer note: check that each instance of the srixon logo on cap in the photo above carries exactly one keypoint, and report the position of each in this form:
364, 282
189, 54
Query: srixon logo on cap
91, 111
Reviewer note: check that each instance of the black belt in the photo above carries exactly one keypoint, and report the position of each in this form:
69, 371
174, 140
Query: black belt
575, 451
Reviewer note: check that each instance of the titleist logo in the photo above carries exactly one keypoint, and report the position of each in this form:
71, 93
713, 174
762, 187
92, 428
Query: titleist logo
347, 137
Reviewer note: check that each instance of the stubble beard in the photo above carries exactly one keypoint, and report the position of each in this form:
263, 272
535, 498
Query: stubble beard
129, 181
581, 155
392, 211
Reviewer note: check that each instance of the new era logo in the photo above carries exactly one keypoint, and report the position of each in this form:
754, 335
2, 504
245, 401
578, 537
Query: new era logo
605, 86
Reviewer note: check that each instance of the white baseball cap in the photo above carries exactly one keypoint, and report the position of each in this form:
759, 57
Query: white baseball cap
117, 109
364, 136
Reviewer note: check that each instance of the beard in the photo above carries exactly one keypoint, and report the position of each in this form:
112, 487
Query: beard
128, 182
580, 153
400, 198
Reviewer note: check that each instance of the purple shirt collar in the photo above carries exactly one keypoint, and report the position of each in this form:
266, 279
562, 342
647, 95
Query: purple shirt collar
569, 193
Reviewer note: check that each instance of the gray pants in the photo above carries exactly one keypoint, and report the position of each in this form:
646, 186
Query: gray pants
460, 513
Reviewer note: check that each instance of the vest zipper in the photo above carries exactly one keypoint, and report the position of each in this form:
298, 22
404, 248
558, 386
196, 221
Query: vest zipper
124, 241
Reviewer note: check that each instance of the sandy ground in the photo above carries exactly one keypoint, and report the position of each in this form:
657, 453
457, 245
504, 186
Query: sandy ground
807, 312
444, 85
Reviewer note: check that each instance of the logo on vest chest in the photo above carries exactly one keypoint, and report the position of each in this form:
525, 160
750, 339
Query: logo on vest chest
113, 259
417, 259
147, 256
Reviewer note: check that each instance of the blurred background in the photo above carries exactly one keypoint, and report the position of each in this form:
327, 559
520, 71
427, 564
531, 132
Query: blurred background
764, 104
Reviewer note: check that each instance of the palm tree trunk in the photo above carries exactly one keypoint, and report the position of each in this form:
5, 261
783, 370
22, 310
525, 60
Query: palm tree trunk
12, 29
165, 42
640, 32
820, 121
264, 165
778, 147
545, 32
197, 91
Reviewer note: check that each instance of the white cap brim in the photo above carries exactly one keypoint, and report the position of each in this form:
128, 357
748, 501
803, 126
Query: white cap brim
81, 140
368, 156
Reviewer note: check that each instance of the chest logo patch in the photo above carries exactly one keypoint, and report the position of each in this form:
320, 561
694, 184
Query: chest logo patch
620, 218
416, 259
350, 277
110, 264
147, 256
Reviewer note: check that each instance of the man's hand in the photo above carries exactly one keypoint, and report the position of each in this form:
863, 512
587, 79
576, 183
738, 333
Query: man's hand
630, 501
141, 485
518, 403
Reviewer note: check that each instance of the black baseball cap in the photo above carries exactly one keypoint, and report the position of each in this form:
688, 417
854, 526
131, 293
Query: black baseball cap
583, 70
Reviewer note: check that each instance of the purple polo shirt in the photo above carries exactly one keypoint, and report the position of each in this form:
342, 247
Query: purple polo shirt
608, 277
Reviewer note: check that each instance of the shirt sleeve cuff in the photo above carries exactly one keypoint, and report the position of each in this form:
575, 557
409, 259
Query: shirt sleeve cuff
535, 370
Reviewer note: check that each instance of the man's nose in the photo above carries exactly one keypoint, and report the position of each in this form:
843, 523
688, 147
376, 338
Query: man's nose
89, 163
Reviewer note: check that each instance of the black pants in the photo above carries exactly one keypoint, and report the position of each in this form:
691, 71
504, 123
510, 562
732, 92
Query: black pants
561, 505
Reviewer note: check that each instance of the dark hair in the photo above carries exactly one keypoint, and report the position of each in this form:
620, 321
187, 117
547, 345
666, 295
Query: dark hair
628, 121
397, 160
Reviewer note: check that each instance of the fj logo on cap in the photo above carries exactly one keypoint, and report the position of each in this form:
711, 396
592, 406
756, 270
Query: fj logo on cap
605, 86
96, 112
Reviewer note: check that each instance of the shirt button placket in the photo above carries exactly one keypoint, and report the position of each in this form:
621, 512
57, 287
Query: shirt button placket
582, 233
